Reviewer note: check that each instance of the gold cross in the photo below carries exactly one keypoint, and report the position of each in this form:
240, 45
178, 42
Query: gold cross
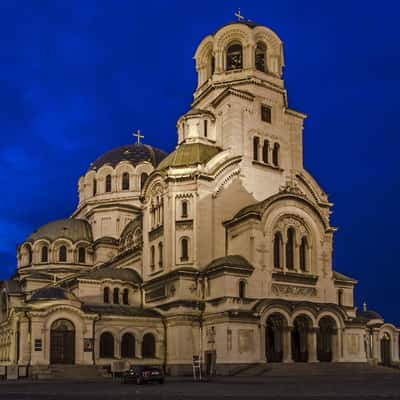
238, 15
138, 136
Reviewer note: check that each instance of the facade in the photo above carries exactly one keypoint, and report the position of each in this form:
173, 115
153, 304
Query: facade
222, 248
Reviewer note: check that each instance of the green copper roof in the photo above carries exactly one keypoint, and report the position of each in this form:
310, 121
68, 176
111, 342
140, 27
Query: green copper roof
189, 154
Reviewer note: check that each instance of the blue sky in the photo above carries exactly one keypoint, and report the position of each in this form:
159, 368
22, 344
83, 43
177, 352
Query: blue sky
78, 77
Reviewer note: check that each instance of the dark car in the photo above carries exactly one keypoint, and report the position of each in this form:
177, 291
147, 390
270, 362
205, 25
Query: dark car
143, 374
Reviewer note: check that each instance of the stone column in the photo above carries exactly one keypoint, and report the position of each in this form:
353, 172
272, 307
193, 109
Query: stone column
335, 346
312, 345
24, 342
287, 344
138, 348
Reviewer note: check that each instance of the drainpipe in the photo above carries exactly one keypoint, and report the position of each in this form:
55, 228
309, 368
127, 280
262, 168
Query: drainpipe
165, 346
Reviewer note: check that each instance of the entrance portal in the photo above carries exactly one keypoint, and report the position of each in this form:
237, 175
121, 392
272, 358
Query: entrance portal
62, 342
274, 338
325, 337
386, 358
301, 329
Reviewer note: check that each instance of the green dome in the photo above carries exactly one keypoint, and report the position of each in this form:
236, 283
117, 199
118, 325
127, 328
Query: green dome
189, 154
71, 228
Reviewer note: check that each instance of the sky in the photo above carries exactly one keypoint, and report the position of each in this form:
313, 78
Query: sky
77, 78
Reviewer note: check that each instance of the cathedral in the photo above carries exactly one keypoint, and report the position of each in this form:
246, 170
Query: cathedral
220, 250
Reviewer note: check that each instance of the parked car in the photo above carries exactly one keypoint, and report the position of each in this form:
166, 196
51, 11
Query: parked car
142, 374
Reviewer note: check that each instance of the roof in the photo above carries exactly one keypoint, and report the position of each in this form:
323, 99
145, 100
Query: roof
134, 153
53, 293
368, 315
229, 261
71, 228
114, 309
341, 277
189, 154
249, 23
121, 274
198, 111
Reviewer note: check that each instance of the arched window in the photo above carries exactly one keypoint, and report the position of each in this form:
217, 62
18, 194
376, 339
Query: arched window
160, 255
265, 151
242, 289
212, 64
106, 345
184, 249
234, 57
275, 154
81, 255
205, 128
125, 181
44, 254
94, 187
143, 179
125, 297
290, 249
277, 250
256, 143
116, 296
30, 255
184, 210
62, 254
106, 295
128, 346
152, 257
260, 57
149, 346
108, 183
303, 254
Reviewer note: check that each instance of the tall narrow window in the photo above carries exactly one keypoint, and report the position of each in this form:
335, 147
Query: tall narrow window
30, 255
256, 143
340, 297
184, 249
303, 254
160, 255
234, 57
125, 297
116, 296
277, 250
212, 64
62, 254
81, 255
152, 257
94, 187
44, 254
184, 209
290, 249
106, 295
242, 289
205, 128
108, 183
266, 113
125, 181
143, 179
275, 154
260, 57
265, 151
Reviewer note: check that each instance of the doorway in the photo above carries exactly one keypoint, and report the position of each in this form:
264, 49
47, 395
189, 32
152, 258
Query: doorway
62, 342
386, 345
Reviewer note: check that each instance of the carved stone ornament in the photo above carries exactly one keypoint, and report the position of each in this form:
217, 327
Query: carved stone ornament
293, 291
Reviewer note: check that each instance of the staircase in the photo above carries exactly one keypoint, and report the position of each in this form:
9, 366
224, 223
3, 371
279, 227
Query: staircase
77, 373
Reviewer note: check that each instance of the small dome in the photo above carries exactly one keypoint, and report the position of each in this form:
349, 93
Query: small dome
53, 293
369, 315
189, 154
73, 229
134, 153
250, 24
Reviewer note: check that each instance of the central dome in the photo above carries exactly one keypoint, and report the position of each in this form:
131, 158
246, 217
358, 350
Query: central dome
134, 153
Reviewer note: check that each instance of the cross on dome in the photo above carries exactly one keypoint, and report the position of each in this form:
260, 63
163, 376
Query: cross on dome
238, 15
138, 136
